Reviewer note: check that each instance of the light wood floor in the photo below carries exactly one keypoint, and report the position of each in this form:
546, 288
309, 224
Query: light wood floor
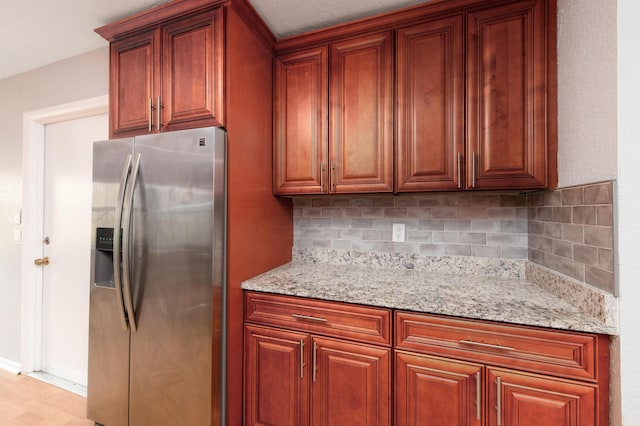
27, 401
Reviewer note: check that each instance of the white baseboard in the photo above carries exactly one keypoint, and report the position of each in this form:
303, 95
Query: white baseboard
10, 366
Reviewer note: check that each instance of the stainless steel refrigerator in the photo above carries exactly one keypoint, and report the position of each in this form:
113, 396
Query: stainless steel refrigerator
157, 304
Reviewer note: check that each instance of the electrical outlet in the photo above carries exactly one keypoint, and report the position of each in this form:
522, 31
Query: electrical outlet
398, 233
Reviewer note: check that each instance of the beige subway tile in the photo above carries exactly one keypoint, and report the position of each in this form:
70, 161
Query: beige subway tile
485, 251
485, 200
599, 278
536, 256
386, 246
508, 252
406, 247
544, 213
500, 239
472, 213
341, 244
446, 237
395, 212
430, 201
535, 228
604, 215
332, 212
361, 245
553, 230
485, 225
532, 213
574, 233
302, 202
361, 202
562, 248
572, 196
585, 254
598, 194
361, 223
599, 236
501, 213
562, 214
535, 199
522, 213
386, 201
606, 260
372, 234
401, 201
553, 198
433, 249
514, 226
573, 269
419, 212
585, 215
444, 213
431, 225
458, 250
457, 225
420, 236
513, 200
545, 244
533, 241
457, 200
321, 202
341, 202
473, 238
372, 212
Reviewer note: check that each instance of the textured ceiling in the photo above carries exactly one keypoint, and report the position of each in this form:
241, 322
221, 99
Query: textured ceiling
34, 33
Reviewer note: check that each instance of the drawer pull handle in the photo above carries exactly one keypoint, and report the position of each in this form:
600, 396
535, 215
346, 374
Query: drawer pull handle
487, 345
315, 361
308, 318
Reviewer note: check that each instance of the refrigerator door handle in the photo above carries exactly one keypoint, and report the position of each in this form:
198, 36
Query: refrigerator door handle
117, 278
126, 247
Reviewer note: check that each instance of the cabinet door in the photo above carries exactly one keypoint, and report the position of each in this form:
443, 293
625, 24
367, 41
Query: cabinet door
507, 90
134, 82
361, 114
437, 392
192, 72
519, 399
300, 145
350, 384
276, 381
430, 106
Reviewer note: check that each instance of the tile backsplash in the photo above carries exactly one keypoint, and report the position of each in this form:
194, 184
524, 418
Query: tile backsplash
569, 230
457, 224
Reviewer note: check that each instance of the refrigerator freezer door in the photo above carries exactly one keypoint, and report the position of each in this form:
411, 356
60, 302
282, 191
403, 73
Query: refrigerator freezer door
108, 375
178, 222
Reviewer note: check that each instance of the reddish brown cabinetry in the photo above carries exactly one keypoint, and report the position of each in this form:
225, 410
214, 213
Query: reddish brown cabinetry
507, 108
168, 77
345, 382
430, 106
520, 375
334, 118
474, 101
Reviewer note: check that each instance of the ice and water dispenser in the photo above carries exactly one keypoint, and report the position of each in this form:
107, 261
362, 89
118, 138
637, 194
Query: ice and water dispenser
104, 258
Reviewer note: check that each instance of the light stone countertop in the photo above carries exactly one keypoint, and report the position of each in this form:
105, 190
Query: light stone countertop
511, 300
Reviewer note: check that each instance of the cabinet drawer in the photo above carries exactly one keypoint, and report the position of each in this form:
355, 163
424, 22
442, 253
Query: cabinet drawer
354, 322
559, 353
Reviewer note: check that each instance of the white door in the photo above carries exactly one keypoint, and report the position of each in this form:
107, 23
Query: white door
66, 242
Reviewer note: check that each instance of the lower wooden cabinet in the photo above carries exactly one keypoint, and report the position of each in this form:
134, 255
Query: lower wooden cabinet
300, 369
532, 400
443, 392
434, 391
311, 362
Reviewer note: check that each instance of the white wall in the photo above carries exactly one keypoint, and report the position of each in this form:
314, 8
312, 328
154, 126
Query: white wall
78, 78
629, 206
587, 122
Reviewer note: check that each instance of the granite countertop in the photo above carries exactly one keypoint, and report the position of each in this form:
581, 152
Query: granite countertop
510, 300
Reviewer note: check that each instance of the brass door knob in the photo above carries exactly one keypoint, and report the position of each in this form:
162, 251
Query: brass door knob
42, 261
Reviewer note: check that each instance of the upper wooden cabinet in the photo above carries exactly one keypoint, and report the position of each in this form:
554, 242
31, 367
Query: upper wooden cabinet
334, 118
430, 106
169, 77
507, 96
474, 93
